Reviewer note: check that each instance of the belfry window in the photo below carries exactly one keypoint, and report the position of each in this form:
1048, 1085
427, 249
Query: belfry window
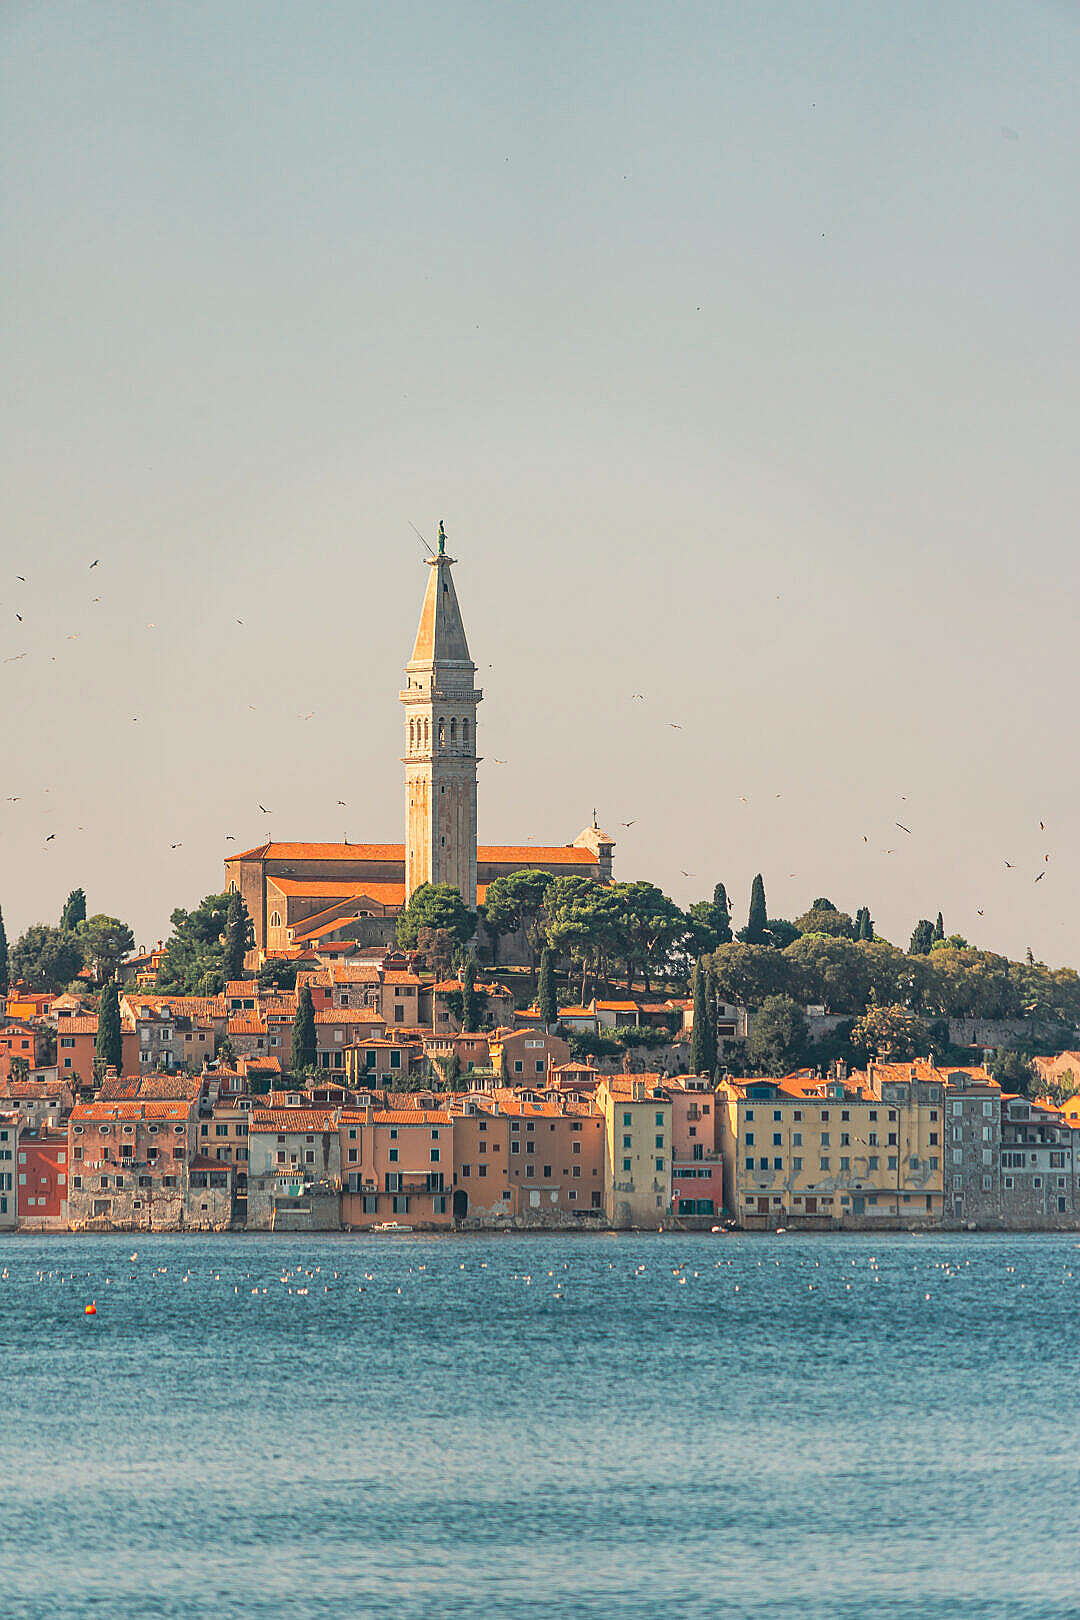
442, 733
465, 733
275, 919
453, 732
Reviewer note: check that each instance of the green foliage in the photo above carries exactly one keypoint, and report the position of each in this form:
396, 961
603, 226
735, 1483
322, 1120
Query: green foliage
648, 925
1058, 1089
704, 927
19, 1069
642, 1035
722, 908
547, 1000
922, 938
303, 1041
864, 924
436, 948
778, 1036
1012, 1070
824, 918
455, 1006
105, 941
193, 961
109, 1048
584, 1045
757, 918
74, 911
239, 937
887, 1032
583, 923
46, 958
468, 996
5, 966
955, 942
746, 974
703, 1033
277, 974
226, 1052
939, 927
435, 905
516, 902
781, 933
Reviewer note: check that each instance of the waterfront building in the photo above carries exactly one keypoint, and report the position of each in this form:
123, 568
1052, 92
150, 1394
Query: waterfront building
697, 1165
9, 1148
128, 1163
637, 1158
555, 1155
294, 1169
397, 1165
972, 1147
41, 1179
1038, 1167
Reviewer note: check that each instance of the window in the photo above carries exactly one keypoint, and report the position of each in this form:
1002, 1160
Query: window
823, 1163
659, 1119
893, 1162
777, 1115
749, 1138
749, 1164
660, 1141
796, 1164
778, 1164
393, 1155
987, 1183
659, 1164
626, 1164
627, 1119
778, 1140
825, 1139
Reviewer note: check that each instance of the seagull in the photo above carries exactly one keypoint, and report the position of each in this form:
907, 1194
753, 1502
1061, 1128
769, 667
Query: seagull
1042, 826
980, 909
13, 798
674, 725
638, 697
264, 810
94, 563
19, 617
902, 828
865, 839
502, 762
309, 716
1009, 864
342, 801
630, 823
230, 838
239, 621
15, 658
22, 577
176, 846
687, 874
53, 835
743, 799
1040, 877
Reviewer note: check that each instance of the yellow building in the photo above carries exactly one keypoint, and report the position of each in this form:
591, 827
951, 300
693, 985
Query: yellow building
860, 1151
637, 1149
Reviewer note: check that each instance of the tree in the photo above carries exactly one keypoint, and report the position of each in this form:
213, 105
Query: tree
1057, 1089
192, 964
703, 1034
516, 902
5, 971
435, 905
781, 933
778, 1036
864, 924
1012, 1070
702, 922
546, 997
757, 918
105, 942
19, 1069
226, 1052
886, 1032
939, 927
277, 974
584, 921
303, 1040
110, 1047
824, 918
922, 938
648, 926
468, 998
722, 907
239, 937
46, 958
74, 911
746, 974
435, 947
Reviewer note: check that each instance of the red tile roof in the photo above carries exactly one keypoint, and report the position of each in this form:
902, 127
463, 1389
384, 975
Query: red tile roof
293, 1119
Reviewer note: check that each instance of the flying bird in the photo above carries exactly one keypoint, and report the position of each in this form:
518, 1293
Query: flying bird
902, 828
230, 838
688, 874
1042, 826
19, 617
502, 762
980, 911
630, 823
1040, 877
94, 563
674, 725
264, 810
1009, 864
53, 835
14, 659
176, 846
13, 798
22, 577
309, 716
638, 697
342, 801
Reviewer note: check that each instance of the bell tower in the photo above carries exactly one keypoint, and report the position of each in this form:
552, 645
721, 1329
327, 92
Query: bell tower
440, 699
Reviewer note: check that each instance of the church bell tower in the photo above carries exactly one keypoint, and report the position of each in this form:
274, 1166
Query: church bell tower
440, 699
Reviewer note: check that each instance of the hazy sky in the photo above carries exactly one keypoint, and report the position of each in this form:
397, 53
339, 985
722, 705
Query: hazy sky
736, 345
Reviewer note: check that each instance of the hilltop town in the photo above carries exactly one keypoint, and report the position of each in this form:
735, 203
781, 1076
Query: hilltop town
441, 1034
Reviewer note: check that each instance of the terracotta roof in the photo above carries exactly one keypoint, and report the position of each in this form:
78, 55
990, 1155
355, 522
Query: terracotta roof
150, 1087
411, 1116
86, 1025
496, 854
203, 1161
131, 1110
245, 1026
349, 1015
537, 854
401, 976
294, 1119
242, 987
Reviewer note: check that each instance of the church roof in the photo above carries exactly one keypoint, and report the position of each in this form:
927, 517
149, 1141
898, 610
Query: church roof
440, 637
493, 854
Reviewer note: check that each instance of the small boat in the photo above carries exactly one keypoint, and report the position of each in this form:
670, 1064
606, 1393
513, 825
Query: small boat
390, 1226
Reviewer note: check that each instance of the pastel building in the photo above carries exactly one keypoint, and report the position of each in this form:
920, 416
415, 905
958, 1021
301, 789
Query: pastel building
41, 1179
637, 1162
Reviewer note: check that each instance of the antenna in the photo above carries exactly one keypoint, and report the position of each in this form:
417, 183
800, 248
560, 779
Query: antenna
419, 536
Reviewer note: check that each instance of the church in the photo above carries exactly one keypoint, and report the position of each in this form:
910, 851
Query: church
312, 896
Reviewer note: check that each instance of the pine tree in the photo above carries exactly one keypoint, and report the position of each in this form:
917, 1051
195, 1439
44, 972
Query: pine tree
722, 908
303, 1039
758, 919
237, 937
546, 998
74, 911
922, 938
702, 1036
5, 970
110, 1048
939, 927
468, 999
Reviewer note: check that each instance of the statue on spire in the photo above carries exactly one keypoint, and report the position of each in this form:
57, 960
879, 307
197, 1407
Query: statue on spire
442, 539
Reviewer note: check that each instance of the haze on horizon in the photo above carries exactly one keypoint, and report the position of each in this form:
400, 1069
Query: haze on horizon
735, 345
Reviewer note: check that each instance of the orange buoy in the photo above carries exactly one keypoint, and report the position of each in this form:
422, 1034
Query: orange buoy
91, 1310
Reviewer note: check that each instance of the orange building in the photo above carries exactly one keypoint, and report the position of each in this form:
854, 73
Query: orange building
397, 1165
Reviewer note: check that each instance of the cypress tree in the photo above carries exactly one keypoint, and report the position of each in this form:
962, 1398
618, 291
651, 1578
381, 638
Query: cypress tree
303, 1037
546, 998
468, 1000
713, 1049
702, 1037
5, 968
237, 935
922, 938
110, 1048
865, 924
939, 927
758, 919
74, 911
722, 907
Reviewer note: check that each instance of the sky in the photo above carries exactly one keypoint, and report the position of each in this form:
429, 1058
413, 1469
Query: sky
736, 346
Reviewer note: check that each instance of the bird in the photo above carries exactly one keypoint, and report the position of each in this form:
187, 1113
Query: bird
230, 838
902, 828
95, 599
1009, 864
638, 697
50, 838
264, 810
13, 798
502, 762
94, 563
308, 716
342, 802
980, 910
176, 846
743, 799
674, 725
1042, 826
687, 874
19, 617
1040, 877
865, 839
15, 658
239, 621
22, 577
1046, 857
630, 823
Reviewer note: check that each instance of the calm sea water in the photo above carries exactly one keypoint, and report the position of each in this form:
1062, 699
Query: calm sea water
809, 1427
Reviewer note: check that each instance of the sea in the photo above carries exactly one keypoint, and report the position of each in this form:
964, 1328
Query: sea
542, 1427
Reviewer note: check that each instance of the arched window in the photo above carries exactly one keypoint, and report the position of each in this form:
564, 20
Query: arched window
427, 735
464, 733
412, 737
275, 919
442, 733
233, 886
453, 733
